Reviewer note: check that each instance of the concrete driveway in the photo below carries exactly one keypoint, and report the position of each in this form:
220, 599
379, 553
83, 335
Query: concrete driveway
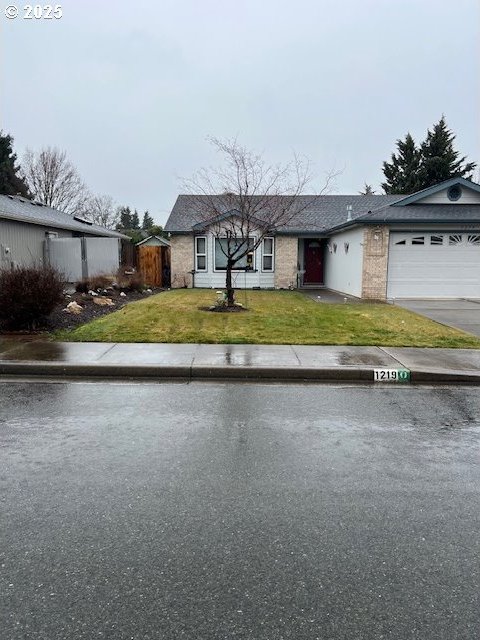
461, 314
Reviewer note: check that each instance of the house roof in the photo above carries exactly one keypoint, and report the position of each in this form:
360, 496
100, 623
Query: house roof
419, 213
166, 243
23, 210
326, 214
319, 213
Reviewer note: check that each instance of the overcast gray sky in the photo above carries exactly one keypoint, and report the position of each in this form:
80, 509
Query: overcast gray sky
132, 89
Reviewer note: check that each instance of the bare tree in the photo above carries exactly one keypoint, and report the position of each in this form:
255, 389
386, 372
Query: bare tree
53, 180
102, 211
247, 195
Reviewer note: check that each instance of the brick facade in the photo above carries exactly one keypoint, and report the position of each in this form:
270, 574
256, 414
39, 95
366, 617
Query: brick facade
286, 259
181, 251
375, 263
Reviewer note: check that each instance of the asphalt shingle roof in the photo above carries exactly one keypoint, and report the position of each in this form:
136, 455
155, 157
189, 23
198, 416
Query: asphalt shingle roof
321, 213
425, 213
22, 210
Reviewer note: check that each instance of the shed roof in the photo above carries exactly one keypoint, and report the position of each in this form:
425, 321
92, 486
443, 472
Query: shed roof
163, 241
22, 210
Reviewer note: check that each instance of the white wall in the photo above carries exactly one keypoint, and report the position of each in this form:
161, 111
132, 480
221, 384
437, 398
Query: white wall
469, 196
343, 269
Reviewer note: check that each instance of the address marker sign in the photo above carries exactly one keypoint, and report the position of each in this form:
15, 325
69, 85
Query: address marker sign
391, 375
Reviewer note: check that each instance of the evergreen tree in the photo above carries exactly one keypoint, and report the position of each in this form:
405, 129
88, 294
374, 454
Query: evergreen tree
402, 173
157, 230
147, 222
367, 190
415, 168
135, 220
440, 161
125, 218
11, 184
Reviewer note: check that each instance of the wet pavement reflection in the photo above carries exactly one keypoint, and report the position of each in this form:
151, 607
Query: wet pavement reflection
239, 510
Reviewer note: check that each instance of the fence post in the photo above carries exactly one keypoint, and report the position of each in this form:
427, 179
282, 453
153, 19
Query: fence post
83, 245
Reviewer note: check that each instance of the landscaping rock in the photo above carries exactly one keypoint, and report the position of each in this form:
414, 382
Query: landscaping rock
73, 307
104, 302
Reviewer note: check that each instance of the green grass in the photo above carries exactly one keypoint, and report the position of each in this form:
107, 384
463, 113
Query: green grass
274, 317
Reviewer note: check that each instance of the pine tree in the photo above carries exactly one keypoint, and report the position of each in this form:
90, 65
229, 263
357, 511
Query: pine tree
11, 184
402, 174
125, 216
135, 220
439, 160
415, 168
147, 222
367, 190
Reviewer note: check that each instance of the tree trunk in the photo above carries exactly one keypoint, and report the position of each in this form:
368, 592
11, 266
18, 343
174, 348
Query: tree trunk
228, 284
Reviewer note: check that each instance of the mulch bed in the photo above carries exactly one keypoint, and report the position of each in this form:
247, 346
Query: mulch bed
222, 309
60, 319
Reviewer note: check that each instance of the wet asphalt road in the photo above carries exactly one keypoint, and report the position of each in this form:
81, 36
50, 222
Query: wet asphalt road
208, 511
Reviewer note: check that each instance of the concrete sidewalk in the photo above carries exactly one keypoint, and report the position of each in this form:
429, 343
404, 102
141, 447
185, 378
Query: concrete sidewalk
242, 362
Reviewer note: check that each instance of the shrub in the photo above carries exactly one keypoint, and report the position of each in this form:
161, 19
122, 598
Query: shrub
28, 295
94, 283
130, 281
82, 286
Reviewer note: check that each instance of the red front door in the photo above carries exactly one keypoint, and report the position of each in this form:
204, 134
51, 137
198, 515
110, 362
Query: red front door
313, 262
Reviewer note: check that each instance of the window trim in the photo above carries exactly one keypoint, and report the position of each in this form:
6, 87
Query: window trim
234, 270
268, 255
201, 254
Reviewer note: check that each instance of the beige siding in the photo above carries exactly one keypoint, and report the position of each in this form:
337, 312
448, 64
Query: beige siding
181, 260
22, 243
286, 261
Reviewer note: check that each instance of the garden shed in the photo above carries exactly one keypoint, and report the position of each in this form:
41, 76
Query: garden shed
153, 259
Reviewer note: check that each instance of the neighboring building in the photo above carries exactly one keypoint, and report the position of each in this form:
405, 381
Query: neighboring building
426, 245
32, 233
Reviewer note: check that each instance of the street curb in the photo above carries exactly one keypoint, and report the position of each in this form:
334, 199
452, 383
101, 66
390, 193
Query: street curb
221, 372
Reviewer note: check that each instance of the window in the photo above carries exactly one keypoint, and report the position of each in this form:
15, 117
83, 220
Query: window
267, 254
221, 249
403, 242
436, 240
200, 253
473, 238
454, 239
418, 240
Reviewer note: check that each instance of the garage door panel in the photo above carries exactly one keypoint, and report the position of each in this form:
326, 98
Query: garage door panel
447, 270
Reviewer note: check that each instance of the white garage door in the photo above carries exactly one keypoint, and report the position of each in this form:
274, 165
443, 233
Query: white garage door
434, 265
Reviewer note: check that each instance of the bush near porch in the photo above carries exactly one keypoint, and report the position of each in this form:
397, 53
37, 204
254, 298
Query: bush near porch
274, 317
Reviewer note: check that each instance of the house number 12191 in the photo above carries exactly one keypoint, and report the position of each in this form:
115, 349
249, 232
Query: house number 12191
391, 375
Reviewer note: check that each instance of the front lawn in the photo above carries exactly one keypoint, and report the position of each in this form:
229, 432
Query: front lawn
274, 317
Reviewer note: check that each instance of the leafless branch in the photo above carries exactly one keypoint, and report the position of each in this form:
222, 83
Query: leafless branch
53, 180
101, 210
